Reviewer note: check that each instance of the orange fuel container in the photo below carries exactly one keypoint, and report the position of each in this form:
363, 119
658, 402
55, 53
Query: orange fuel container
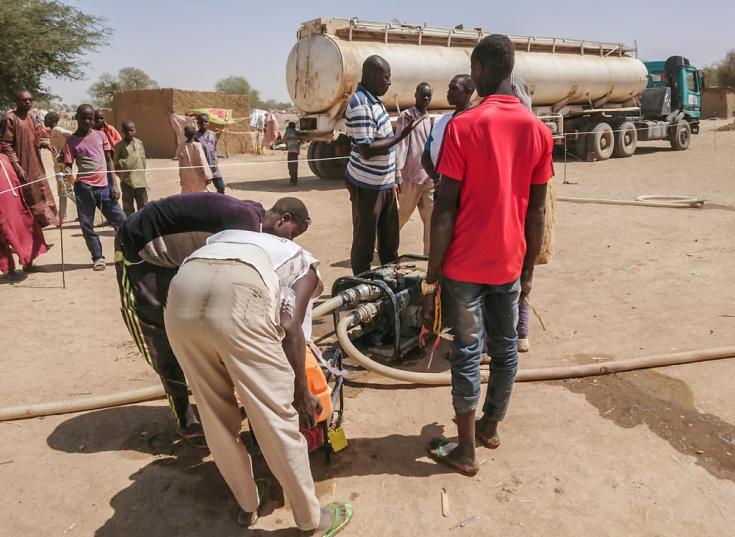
318, 384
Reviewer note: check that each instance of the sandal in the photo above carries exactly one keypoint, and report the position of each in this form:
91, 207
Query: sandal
248, 520
439, 450
99, 264
194, 436
342, 517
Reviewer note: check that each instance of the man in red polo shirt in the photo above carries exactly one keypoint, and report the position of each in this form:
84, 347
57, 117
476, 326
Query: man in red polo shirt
486, 233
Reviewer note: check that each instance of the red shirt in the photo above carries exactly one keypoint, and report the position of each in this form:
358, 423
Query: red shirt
497, 149
113, 137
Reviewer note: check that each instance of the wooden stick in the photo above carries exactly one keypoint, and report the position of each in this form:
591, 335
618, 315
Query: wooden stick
61, 240
445, 503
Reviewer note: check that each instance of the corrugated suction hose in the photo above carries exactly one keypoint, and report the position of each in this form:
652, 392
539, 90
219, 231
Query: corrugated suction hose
79, 405
672, 202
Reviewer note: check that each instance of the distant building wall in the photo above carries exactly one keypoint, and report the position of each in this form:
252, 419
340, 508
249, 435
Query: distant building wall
718, 101
151, 111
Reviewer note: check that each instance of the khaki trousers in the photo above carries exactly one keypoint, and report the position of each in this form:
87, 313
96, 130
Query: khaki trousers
222, 327
412, 196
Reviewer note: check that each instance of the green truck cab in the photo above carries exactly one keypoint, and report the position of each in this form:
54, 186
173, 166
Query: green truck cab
674, 95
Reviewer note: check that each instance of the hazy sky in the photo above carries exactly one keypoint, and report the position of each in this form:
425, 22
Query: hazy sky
190, 45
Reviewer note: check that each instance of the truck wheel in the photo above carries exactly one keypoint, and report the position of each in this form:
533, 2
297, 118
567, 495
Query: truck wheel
681, 136
626, 140
310, 152
580, 147
333, 170
601, 141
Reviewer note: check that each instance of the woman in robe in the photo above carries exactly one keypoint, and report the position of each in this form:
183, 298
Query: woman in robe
20, 233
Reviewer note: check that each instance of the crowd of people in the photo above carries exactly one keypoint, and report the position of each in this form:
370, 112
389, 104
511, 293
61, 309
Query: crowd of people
218, 297
110, 167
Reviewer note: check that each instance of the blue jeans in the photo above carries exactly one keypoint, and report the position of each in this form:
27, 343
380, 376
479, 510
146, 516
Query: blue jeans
473, 311
90, 198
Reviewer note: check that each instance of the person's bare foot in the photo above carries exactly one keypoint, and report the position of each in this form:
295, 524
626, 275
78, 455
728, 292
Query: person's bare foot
486, 431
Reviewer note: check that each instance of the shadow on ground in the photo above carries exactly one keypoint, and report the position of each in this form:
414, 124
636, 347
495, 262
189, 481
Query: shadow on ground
305, 184
101, 233
56, 267
13, 278
182, 494
666, 406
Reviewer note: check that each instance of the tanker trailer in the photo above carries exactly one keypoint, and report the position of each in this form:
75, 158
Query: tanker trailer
587, 93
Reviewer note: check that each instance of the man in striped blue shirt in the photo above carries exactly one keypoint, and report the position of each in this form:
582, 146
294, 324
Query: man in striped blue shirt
371, 171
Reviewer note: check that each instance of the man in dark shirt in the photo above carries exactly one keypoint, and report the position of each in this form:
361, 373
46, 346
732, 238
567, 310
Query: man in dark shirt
150, 247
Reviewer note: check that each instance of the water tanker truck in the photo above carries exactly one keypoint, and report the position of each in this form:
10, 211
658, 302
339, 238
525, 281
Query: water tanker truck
598, 99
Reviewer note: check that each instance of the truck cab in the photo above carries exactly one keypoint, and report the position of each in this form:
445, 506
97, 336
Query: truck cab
685, 82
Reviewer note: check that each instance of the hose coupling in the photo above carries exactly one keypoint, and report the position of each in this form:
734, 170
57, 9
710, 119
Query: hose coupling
363, 313
360, 293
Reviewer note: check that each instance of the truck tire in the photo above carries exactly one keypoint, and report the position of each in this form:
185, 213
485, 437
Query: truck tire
601, 141
310, 152
626, 140
332, 170
681, 135
580, 147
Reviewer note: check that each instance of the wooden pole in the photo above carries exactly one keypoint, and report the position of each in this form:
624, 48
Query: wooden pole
61, 239
565, 158
715, 135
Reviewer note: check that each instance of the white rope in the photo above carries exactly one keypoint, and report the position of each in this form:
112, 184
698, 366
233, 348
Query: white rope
237, 164
170, 168
7, 177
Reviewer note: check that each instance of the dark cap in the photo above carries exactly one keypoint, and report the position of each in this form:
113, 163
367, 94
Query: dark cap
294, 207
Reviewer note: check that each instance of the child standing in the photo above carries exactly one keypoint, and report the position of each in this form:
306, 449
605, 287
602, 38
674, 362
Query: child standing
95, 186
194, 171
57, 138
129, 161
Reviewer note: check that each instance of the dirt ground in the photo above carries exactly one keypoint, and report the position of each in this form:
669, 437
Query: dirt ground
647, 453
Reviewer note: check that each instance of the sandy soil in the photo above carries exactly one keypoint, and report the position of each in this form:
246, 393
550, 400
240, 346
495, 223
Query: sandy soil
649, 453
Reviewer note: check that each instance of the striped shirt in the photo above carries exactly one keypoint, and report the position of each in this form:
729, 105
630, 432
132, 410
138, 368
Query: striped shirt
367, 121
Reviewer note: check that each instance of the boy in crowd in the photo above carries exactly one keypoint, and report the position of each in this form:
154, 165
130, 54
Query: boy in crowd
95, 186
129, 161
208, 140
194, 171
416, 188
58, 137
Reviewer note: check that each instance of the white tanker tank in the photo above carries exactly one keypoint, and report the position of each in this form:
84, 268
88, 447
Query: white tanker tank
569, 81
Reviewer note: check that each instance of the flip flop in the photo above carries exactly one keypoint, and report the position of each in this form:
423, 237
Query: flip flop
341, 519
195, 438
263, 486
439, 450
